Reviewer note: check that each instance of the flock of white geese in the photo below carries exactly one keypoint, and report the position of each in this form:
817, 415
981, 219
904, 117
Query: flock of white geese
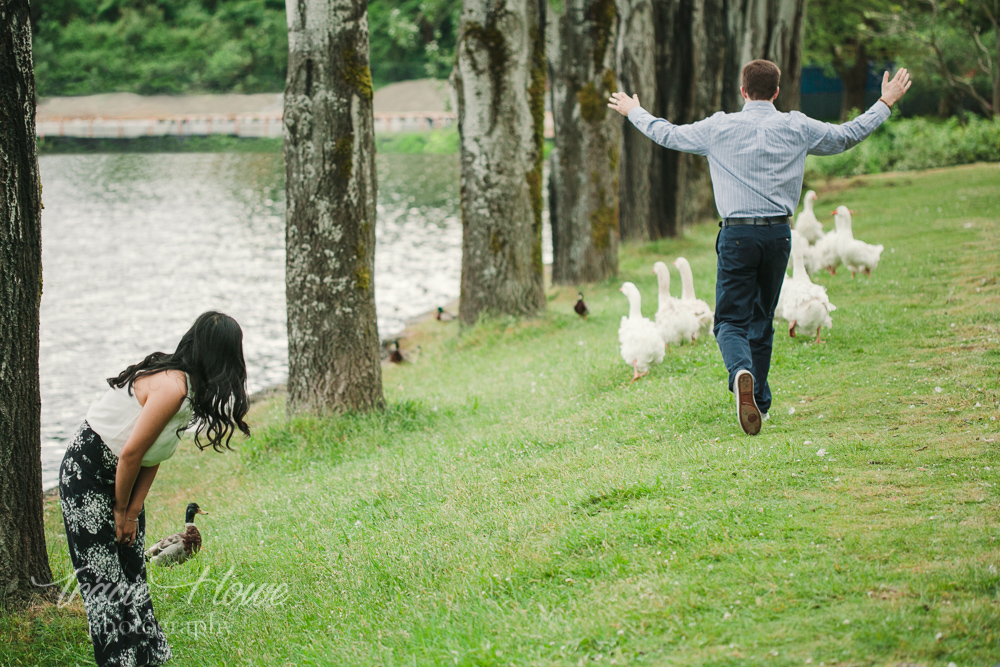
802, 303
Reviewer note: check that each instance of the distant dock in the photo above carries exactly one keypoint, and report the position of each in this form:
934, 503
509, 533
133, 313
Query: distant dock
407, 106
257, 125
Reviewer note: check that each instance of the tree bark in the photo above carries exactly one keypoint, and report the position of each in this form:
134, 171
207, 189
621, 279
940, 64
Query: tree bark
23, 555
855, 78
639, 164
684, 58
499, 80
774, 30
333, 345
584, 171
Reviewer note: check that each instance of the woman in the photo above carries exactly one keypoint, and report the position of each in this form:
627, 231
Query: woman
111, 463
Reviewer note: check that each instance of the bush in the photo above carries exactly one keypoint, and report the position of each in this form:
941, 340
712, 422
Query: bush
906, 144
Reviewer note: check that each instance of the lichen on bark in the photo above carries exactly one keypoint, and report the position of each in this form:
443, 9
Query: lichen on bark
356, 72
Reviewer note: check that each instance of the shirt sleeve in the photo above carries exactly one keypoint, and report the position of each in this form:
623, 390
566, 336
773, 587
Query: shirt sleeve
830, 139
694, 138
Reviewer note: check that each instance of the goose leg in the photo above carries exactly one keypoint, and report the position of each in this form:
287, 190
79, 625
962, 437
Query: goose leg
868, 272
853, 274
791, 329
635, 366
817, 334
832, 270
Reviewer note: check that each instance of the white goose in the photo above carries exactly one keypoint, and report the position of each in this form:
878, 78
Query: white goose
856, 255
803, 303
823, 255
698, 308
806, 223
675, 322
639, 340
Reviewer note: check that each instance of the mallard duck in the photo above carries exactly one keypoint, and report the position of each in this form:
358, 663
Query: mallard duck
640, 342
856, 255
395, 356
675, 323
443, 316
178, 547
581, 306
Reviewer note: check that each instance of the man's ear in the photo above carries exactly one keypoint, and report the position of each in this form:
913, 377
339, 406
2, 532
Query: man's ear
743, 92
777, 90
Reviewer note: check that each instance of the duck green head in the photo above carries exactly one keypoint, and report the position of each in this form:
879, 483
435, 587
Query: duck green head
192, 509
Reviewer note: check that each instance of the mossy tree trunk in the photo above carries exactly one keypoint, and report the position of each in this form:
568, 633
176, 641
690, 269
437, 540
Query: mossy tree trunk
584, 165
333, 345
499, 80
23, 556
683, 58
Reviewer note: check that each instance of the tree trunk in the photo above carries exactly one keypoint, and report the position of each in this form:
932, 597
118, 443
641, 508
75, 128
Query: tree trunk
500, 84
640, 158
584, 171
333, 345
855, 78
684, 58
996, 64
774, 30
23, 556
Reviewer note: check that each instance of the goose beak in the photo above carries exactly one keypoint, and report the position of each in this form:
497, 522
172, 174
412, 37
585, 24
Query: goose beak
833, 213
850, 211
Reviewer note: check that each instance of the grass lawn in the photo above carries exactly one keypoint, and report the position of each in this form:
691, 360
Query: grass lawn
520, 503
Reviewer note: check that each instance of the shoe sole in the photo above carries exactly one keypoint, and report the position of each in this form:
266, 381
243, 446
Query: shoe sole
746, 406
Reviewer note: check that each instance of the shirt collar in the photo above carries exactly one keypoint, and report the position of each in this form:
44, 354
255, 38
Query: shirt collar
752, 105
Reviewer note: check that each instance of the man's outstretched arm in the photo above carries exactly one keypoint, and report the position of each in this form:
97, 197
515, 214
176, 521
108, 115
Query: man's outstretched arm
693, 138
830, 139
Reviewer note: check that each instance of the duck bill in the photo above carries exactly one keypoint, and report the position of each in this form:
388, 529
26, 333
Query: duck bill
201, 511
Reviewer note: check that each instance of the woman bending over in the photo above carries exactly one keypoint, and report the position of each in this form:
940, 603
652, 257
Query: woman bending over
111, 463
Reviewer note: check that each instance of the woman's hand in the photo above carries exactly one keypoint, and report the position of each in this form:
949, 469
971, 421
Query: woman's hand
622, 103
125, 527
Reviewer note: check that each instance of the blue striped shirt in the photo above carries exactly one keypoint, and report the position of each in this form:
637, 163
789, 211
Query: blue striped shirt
757, 156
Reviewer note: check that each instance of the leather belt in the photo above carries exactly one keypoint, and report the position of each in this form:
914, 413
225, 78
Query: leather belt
756, 222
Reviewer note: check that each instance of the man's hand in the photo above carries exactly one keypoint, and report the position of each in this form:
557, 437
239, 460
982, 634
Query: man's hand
895, 89
622, 103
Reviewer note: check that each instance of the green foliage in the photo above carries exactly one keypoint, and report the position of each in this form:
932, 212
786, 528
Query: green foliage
835, 30
90, 46
905, 144
83, 47
436, 141
412, 39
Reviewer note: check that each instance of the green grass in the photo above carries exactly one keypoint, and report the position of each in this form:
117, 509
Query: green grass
519, 502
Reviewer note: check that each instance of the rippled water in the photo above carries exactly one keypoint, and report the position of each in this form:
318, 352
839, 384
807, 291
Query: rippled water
135, 246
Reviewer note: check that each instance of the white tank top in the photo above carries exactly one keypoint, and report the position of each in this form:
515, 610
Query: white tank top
114, 415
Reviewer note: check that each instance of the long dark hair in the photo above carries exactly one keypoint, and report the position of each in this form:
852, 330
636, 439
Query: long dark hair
211, 353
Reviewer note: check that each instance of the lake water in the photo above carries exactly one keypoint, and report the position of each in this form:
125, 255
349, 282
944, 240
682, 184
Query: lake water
136, 246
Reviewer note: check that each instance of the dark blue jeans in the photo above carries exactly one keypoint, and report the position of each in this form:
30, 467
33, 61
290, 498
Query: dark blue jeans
752, 262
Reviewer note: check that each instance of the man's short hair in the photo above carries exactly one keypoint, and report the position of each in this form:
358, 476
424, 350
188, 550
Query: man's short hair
760, 79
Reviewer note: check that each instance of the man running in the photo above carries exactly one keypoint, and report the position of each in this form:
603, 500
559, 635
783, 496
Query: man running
756, 158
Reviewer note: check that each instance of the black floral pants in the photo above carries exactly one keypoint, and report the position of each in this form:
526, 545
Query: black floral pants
112, 577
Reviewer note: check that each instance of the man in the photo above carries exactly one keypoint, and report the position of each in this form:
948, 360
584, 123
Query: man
756, 158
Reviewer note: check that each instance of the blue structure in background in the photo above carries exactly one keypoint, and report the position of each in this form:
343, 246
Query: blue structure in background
822, 96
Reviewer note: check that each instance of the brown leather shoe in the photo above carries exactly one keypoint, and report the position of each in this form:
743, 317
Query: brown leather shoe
746, 407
